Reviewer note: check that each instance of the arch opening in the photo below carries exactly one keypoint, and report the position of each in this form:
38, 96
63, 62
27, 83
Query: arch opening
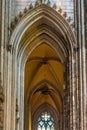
42, 56
43, 81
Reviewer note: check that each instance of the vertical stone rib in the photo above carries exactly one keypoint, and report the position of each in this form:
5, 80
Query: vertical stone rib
74, 89
67, 121
1, 107
77, 93
70, 85
61, 121
1, 90
84, 64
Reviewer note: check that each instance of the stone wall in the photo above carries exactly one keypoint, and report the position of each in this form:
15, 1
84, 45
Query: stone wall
19, 5
68, 6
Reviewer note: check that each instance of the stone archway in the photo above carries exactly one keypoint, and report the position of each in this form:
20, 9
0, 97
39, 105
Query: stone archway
55, 32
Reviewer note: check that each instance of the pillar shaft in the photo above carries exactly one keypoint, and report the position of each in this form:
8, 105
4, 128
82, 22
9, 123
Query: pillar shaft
1, 107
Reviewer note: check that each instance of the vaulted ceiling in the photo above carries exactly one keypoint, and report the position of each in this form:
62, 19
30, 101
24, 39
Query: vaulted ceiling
44, 78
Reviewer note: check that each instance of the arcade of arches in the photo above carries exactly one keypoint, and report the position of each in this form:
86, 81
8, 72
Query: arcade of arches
43, 66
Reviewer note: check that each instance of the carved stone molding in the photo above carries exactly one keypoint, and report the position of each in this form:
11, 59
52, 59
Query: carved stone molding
18, 18
9, 48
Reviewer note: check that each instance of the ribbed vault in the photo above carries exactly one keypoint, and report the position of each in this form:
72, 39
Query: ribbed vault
44, 77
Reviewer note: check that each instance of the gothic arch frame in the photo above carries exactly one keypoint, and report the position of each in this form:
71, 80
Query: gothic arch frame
19, 55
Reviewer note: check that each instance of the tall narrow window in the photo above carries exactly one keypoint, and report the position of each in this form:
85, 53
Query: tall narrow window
45, 122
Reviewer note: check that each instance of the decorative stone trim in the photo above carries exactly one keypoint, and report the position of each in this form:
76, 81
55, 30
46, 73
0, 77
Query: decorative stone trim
9, 48
18, 18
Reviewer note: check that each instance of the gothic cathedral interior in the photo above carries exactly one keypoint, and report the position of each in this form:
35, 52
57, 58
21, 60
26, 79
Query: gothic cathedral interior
43, 64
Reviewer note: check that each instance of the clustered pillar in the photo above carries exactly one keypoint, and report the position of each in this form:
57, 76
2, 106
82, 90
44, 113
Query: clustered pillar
66, 101
70, 95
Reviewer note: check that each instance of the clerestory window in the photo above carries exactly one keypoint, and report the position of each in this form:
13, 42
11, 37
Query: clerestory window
45, 122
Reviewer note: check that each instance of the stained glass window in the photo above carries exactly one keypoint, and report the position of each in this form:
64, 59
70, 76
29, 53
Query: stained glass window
45, 122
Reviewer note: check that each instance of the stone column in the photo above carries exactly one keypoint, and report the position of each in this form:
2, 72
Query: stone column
84, 73
17, 116
63, 115
74, 89
77, 93
68, 97
65, 109
72, 85
61, 121
82, 64
1, 89
66, 103
1, 107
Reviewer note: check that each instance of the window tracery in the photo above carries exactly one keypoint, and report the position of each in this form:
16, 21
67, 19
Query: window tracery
45, 122
45, 118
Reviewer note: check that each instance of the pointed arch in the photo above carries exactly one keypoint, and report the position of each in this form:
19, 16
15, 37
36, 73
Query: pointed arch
38, 16
46, 107
50, 28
